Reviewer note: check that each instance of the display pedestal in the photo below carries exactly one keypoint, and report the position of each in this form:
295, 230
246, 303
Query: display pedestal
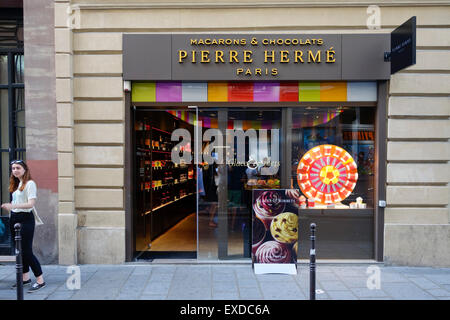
274, 231
286, 268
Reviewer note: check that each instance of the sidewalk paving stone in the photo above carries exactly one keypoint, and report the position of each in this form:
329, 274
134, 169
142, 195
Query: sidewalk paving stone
321, 296
190, 294
388, 276
341, 295
157, 287
424, 283
326, 276
247, 283
100, 294
222, 295
364, 293
406, 291
333, 285
57, 295
446, 287
35, 296
153, 297
285, 294
223, 277
354, 282
439, 278
224, 286
439, 293
142, 270
200, 281
161, 277
250, 293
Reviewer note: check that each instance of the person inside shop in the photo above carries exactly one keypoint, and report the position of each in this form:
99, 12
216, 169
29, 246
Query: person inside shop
236, 177
361, 159
24, 192
252, 172
211, 181
201, 185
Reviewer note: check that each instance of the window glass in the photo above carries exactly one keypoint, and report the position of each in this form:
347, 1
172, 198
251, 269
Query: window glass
336, 147
3, 69
333, 157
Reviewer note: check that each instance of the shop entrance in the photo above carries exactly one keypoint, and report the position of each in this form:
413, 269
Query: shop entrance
249, 139
180, 212
165, 206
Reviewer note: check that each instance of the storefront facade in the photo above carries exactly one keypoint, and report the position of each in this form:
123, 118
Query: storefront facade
246, 104
348, 99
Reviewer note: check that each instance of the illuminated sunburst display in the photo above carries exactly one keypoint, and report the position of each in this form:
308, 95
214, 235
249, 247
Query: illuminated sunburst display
327, 173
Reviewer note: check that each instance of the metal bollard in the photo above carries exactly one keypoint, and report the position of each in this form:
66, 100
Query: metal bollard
19, 266
312, 264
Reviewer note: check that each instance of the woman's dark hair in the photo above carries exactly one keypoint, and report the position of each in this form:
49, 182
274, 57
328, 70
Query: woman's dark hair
14, 182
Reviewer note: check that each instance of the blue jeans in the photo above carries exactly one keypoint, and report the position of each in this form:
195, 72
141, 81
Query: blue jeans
26, 219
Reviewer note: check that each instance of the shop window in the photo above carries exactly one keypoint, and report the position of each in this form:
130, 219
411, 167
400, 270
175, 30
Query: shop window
333, 161
334, 149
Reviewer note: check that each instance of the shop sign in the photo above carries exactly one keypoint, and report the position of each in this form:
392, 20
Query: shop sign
403, 46
255, 57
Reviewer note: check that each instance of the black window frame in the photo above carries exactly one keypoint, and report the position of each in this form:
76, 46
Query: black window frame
16, 134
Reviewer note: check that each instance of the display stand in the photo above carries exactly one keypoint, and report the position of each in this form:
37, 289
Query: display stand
285, 268
274, 232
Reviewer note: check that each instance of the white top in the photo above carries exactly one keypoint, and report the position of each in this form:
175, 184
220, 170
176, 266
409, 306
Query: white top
29, 192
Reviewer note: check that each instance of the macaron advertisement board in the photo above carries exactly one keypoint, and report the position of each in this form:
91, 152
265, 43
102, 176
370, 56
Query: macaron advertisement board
275, 230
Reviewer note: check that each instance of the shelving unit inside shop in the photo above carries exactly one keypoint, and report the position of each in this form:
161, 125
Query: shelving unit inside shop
162, 186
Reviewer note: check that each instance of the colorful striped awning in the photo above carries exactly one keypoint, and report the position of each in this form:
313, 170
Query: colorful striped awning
284, 91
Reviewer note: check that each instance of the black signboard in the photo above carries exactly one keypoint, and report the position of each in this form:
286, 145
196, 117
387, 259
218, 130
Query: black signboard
403, 46
255, 57
275, 230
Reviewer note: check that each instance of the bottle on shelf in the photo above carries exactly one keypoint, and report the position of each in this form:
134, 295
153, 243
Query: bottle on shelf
146, 124
156, 199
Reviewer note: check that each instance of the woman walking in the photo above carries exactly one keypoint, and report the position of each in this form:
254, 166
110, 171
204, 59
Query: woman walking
23, 190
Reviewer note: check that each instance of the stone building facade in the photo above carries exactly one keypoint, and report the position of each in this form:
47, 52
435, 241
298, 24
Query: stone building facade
76, 113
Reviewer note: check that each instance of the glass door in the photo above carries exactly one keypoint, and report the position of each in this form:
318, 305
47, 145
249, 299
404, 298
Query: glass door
210, 154
241, 151
254, 149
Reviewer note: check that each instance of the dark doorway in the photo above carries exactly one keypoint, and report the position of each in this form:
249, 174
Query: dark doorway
164, 213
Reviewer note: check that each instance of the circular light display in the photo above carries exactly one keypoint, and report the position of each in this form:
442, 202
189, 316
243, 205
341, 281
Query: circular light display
327, 173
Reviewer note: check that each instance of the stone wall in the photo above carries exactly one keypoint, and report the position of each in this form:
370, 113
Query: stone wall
417, 230
40, 121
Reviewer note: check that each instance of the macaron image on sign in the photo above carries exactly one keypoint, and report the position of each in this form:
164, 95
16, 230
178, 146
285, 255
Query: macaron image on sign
274, 231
